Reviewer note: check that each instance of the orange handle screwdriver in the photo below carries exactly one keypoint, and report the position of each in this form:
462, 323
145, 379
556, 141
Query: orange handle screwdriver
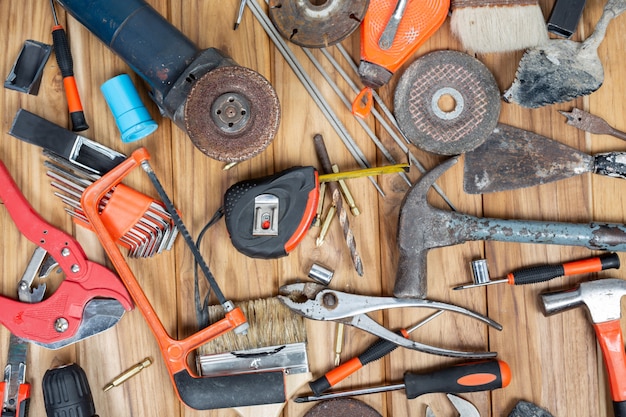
376, 351
66, 65
535, 274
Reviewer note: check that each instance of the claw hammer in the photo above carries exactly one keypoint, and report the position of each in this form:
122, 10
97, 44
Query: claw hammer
602, 299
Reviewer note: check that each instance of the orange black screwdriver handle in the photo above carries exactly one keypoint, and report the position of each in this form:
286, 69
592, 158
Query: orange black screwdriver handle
375, 351
543, 273
66, 65
466, 377
609, 335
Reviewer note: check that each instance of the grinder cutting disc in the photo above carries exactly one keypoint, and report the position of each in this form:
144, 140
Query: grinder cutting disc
232, 113
317, 26
344, 407
447, 102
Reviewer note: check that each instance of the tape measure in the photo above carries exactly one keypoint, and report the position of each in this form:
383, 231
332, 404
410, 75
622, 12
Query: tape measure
268, 217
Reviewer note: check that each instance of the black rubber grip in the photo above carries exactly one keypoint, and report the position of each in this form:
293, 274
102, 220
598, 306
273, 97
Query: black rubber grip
66, 392
240, 390
79, 123
610, 261
377, 350
619, 408
62, 52
535, 274
320, 385
469, 377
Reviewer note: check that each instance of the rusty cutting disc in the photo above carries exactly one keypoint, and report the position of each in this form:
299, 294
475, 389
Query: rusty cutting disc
317, 24
232, 113
344, 407
447, 102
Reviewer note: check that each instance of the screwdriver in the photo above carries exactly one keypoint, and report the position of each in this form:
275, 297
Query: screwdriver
375, 351
66, 65
465, 377
536, 274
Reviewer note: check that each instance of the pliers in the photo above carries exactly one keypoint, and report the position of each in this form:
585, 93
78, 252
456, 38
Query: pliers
89, 300
317, 302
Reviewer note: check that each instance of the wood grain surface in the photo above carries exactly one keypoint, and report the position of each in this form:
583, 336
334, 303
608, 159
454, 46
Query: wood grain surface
554, 360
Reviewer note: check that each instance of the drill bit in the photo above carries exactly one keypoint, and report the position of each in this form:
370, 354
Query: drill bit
322, 154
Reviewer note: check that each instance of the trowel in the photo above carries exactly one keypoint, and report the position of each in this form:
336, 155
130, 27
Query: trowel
513, 158
562, 70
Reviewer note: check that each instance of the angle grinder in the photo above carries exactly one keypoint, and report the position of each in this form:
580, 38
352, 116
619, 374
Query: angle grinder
230, 113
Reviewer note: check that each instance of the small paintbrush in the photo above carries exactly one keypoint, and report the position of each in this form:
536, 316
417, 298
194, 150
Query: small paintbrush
276, 341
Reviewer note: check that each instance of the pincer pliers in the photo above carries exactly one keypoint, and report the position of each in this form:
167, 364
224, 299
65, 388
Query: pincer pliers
317, 302
90, 299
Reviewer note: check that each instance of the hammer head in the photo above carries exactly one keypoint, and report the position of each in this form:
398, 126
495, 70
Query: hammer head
421, 227
602, 299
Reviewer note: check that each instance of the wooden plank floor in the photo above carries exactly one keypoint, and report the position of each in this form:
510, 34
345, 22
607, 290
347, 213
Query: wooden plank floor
555, 361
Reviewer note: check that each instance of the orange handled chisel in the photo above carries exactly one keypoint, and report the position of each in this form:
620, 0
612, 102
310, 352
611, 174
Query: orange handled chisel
66, 65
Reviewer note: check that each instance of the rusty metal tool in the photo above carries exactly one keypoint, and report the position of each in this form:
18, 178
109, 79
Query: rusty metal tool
88, 301
391, 29
201, 393
230, 113
447, 102
513, 158
542, 273
562, 70
311, 88
317, 302
348, 235
423, 227
317, 25
591, 123
345, 407
419, 22
374, 352
465, 377
462, 406
602, 300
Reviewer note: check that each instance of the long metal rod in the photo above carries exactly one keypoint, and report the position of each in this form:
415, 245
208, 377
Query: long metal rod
308, 84
347, 103
378, 116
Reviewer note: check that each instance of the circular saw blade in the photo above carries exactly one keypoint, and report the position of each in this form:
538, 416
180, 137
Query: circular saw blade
232, 113
345, 407
317, 26
447, 102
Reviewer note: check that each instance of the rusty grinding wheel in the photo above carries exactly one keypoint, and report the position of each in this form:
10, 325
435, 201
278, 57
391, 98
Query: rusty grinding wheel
232, 113
344, 407
447, 102
317, 24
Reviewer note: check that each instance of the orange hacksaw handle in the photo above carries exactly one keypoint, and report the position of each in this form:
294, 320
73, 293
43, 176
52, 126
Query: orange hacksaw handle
174, 351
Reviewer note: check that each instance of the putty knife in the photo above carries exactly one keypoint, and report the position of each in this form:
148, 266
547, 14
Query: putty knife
513, 158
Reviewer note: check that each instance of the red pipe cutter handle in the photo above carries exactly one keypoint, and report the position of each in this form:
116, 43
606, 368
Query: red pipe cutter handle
84, 280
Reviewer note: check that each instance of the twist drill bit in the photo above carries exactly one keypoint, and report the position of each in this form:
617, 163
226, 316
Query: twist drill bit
322, 154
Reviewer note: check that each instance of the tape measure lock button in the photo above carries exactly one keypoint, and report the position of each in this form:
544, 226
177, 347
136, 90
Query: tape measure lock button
265, 215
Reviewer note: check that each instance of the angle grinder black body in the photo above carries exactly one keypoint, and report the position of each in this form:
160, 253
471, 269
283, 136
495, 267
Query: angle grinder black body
230, 113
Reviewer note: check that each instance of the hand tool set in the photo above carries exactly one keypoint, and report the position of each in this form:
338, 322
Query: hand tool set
139, 223
251, 356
